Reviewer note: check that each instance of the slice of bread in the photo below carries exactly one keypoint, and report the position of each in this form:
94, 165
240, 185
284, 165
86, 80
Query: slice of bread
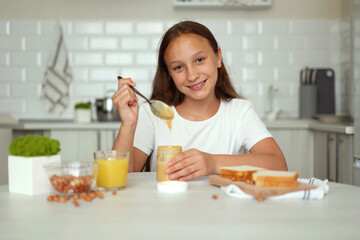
276, 184
239, 173
271, 178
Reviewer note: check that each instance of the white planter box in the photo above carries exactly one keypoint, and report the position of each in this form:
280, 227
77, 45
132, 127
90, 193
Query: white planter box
27, 175
82, 115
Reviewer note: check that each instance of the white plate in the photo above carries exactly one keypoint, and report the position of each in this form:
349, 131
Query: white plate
331, 118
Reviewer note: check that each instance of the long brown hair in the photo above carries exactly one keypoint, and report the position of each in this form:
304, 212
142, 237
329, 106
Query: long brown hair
164, 88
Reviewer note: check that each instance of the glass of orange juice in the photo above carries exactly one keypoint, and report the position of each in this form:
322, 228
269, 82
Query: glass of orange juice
113, 169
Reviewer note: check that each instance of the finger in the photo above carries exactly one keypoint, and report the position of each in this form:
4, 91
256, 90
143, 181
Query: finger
177, 165
127, 96
124, 89
124, 97
190, 176
181, 156
128, 81
185, 169
121, 92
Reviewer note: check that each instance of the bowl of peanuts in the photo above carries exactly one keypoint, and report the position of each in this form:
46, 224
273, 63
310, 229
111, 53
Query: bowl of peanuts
69, 178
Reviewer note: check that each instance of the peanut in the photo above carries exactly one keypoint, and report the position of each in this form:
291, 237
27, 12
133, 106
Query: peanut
85, 196
71, 184
99, 194
75, 202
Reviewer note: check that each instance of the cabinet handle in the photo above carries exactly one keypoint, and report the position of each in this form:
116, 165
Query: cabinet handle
338, 140
98, 140
328, 140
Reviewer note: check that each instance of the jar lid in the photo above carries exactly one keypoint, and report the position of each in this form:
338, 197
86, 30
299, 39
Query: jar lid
172, 186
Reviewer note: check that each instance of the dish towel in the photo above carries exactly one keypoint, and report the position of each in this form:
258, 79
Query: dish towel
317, 193
57, 77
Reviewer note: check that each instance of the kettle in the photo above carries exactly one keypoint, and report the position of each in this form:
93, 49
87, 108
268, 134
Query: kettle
105, 108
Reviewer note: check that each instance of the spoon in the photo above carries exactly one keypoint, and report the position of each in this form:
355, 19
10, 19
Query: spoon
158, 108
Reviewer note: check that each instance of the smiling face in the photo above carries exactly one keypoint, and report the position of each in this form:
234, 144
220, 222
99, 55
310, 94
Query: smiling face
193, 66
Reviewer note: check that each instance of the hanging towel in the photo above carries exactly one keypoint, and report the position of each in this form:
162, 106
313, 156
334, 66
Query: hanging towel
57, 77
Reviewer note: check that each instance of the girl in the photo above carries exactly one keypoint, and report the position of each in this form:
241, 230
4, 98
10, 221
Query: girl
211, 121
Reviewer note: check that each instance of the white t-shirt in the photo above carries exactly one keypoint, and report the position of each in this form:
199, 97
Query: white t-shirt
236, 124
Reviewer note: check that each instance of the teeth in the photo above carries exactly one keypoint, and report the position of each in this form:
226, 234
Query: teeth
197, 85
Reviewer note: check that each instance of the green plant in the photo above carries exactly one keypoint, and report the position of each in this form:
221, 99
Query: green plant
34, 145
82, 106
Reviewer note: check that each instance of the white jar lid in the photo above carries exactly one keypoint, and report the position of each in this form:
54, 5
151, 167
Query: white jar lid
172, 186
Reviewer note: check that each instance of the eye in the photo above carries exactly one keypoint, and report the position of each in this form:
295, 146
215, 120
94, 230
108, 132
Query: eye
199, 60
177, 68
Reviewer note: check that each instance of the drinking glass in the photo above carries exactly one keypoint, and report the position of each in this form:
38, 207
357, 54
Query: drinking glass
113, 169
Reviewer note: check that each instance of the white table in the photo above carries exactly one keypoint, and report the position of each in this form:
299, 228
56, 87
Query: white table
140, 212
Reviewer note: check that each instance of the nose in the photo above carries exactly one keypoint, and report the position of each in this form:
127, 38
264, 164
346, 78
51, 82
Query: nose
192, 74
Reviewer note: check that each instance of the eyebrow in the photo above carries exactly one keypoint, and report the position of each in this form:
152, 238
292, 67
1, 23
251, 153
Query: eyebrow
175, 61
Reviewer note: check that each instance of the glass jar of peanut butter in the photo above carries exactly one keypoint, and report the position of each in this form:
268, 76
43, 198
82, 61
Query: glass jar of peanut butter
163, 156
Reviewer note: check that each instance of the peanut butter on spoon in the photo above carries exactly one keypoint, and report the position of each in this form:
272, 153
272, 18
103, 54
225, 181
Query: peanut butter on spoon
158, 108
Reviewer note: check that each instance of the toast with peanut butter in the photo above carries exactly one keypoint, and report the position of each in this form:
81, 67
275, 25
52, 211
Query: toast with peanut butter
239, 173
270, 178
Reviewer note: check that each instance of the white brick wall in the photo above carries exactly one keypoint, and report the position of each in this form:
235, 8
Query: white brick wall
4, 27
257, 54
119, 28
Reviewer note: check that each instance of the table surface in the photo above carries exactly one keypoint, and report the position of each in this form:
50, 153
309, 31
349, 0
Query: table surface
141, 212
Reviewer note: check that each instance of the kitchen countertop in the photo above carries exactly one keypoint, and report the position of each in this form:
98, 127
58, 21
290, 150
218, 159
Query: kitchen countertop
140, 212
34, 124
311, 124
290, 124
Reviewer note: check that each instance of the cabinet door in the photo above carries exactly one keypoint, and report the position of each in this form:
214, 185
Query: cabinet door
76, 145
320, 155
5, 139
333, 158
106, 139
345, 150
325, 156
297, 147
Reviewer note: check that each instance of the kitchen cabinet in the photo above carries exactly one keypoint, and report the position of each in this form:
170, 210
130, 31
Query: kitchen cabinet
79, 145
75, 145
5, 139
297, 147
334, 156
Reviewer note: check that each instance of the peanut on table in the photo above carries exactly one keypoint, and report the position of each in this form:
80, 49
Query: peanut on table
84, 196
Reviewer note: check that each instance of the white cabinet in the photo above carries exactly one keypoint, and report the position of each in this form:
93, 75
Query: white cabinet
76, 145
334, 156
5, 140
106, 139
79, 145
297, 147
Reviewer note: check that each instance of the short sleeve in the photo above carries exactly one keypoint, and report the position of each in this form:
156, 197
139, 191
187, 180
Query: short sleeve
144, 133
252, 128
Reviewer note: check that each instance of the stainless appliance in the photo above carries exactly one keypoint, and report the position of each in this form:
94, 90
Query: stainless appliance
356, 93
105, 108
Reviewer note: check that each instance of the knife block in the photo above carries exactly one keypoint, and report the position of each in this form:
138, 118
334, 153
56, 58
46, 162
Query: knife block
308, 101
325, 79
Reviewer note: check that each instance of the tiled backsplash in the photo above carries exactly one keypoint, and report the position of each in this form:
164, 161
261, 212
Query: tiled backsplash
257, 54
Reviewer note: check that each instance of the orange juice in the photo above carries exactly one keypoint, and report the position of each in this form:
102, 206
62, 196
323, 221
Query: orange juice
163, 156
113, 170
